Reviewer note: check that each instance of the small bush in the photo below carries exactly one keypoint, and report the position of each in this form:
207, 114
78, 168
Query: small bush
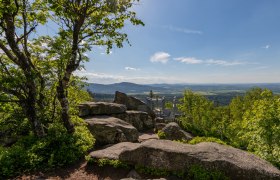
152, 171
58, 148
104, 162
161, 134
197, 140
197, 172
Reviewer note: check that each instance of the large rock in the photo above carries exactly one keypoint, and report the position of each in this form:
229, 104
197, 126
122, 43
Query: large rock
133, 103
174, 156
110, 130
173, 131
100, 108
139, 119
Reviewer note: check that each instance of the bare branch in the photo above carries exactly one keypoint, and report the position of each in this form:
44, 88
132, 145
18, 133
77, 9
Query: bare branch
27, 33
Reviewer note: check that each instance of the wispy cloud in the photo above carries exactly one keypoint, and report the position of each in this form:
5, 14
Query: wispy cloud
131, 69
161, 57
189, 60
105, 78
260, 68
193, 60
224, 63
245, 77
182, 30
266, 46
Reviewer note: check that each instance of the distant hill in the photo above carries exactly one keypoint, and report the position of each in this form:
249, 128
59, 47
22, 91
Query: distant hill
126, 87
132, 88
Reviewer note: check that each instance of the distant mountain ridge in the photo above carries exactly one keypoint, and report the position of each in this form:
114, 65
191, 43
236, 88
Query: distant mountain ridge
132, 88
126, 87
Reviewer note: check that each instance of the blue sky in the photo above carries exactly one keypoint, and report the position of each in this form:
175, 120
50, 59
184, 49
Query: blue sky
195, 41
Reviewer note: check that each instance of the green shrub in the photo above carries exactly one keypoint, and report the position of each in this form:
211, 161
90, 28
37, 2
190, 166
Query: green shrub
58, 148
152, 171
161, 134
104, 162
197, 140
197, 172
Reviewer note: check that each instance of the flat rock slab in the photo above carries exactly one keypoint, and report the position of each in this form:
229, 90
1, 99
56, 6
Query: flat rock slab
110, 130
100, 108
174, 156
113, 152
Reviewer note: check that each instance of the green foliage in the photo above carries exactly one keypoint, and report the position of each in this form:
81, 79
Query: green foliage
197, 140
58, 148
168, 105
36, 72
262, 125
200, 116
152, 171
197, 172
107, 162
251, 122
161, 134
110, 162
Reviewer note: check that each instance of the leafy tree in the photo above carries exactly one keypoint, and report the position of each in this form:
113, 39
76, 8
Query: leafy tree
261, 127
251, 122
84, 24
197, 113
36, 72
21, 78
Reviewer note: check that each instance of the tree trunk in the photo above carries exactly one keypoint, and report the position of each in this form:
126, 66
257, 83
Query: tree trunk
31, 110
63, 100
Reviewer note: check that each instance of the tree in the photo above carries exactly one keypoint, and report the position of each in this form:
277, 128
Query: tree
261, 126
197, 113
21, 78
84, 24
30, 71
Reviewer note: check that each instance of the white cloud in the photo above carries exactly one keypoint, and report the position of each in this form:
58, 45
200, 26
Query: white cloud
161, 57
189, 60
245, 77
266, 46
131, 69
182, 30
224, 63
104, 78
193, 60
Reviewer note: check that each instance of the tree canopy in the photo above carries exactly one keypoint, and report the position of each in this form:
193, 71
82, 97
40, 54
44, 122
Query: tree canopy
36, 69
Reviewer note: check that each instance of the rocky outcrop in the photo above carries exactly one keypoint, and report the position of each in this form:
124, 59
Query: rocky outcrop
173, 131
100, 108
133, 103
110, 130
139, 119
174, 156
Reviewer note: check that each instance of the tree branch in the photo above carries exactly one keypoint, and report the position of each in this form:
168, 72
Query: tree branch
8, 53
